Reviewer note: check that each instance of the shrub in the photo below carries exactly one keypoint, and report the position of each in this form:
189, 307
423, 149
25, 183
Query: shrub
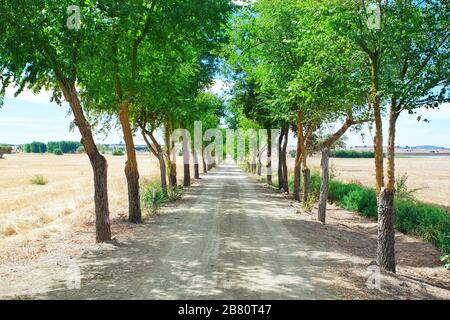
117, 152
430, 223
4, 150
292, 153
57, 152
401, 189
351, 154
153, 196
39, 180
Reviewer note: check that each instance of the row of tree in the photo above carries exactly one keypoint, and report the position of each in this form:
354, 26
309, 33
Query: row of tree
51, 147
321, 68
144, 64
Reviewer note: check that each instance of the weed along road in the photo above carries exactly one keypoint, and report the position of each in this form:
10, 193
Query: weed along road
229, 238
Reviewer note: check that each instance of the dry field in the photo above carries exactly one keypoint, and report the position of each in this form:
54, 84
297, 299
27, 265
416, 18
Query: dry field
430, 175
30, 213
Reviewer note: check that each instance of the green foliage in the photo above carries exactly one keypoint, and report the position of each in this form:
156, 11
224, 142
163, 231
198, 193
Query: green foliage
57, 152
35, 147
362, 200
292, 153
351, 154
426, 221
39, 180
4, 149
118, 152
153, 196
402, 191
446, 260
63, 146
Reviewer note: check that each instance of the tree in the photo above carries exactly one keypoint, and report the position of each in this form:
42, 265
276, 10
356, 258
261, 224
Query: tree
37, 50
4, 149
408, 67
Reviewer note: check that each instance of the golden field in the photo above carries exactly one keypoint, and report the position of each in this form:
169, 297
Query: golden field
431, 176
37, 211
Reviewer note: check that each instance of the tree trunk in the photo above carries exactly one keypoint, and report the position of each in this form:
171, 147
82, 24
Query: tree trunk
269, 157
378, 139
162, 169
186, 163
285, 169
324, 165
196, 165
306, 184
280, 160
131, 167
386, 216
298, 156
386, 233
205, 168
98, 163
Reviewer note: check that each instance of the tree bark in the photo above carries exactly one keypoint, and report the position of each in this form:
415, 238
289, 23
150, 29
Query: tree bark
386, 214
306, 184
285, 169
196, 164
378, 139
280, 160
186, 163
298, 156
98, 163
205, 168
269, 157
386, 232
324, 185
131, 167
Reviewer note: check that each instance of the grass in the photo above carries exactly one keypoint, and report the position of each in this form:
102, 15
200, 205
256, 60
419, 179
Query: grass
430, 223
38, 180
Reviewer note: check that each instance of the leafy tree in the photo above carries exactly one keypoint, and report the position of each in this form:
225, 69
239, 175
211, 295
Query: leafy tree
38, 50
4, 149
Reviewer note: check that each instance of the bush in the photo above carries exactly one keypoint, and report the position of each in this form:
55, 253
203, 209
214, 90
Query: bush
351, 154
4, 150
57, 152
430, 223
39, 180
153, 196
117, 152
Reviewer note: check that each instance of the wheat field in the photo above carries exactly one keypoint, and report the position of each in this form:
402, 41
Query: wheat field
29, 211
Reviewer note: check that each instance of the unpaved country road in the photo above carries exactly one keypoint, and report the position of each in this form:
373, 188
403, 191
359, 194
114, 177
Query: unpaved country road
230, 238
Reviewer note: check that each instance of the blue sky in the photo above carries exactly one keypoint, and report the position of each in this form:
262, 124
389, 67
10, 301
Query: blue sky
33, 118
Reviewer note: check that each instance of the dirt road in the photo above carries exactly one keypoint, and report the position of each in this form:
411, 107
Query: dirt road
230, 238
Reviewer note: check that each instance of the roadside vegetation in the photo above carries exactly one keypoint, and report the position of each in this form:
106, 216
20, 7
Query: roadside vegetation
351, 154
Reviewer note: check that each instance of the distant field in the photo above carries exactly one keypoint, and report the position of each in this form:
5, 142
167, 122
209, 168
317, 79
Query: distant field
33, 211
430, 174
